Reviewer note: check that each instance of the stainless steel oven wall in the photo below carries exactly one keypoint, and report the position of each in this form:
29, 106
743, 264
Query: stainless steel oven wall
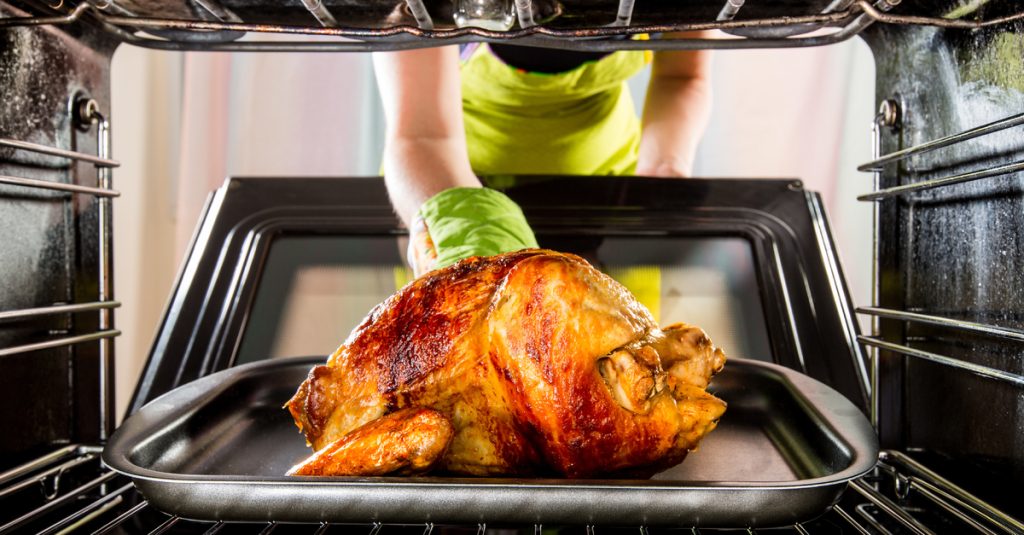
952, 251
48, 238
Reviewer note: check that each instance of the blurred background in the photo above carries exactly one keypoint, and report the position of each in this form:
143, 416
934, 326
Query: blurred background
802, 114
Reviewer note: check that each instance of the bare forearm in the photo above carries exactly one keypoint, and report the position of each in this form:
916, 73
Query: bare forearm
425, 144
676, 113
418, 168
676, 110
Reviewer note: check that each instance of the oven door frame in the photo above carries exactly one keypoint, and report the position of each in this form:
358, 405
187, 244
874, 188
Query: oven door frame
807, 310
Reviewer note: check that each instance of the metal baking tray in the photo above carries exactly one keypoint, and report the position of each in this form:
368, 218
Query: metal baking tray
218, 448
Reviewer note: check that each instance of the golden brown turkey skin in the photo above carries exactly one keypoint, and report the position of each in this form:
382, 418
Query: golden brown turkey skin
405, 442
541, 364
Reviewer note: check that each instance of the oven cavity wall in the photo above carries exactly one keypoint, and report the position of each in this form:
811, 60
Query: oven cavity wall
949, 311
52, 386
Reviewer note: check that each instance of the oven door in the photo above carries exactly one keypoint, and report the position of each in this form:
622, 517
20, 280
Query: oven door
288, 266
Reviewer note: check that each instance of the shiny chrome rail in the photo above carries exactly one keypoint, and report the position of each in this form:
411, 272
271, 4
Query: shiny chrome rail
847, 22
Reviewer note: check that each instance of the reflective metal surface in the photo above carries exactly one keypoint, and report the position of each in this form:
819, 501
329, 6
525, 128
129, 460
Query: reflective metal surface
951, 258
979, 328
984, 371
58, 342
57, 186
52, 151
413, 25
879, 163
922, 498
48, 234
943, 181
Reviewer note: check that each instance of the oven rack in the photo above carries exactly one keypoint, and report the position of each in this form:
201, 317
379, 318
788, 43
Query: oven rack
70, 489
86, 114
889, 116
222, 29
905, 328
99, 162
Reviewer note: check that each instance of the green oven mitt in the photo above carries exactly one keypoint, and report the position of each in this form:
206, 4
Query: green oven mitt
462, 222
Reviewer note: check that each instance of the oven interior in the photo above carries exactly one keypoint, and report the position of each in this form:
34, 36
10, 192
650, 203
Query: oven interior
940, 373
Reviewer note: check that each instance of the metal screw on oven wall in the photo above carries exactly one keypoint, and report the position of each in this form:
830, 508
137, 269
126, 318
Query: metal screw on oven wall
889, 113
85, 112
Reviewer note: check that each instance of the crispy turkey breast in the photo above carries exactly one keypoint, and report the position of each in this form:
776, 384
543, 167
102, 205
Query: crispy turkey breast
525, 363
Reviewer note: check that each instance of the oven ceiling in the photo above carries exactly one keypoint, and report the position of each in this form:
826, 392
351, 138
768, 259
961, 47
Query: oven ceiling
370, 25
376, 13
574, 13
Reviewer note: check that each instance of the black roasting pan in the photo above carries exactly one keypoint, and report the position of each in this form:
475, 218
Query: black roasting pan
217, 449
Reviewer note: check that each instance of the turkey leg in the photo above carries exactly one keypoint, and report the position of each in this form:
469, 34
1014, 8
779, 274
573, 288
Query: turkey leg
405, 442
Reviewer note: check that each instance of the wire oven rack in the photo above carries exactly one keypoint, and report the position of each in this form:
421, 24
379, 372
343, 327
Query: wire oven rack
69, 489
86, 114
221, 29
889, 116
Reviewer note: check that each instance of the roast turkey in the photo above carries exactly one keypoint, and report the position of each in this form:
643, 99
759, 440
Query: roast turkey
525, 363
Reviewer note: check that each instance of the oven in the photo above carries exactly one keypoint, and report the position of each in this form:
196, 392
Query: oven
939, 374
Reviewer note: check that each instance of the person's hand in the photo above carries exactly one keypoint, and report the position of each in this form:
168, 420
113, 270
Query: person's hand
422, 255
462, 222
664, 169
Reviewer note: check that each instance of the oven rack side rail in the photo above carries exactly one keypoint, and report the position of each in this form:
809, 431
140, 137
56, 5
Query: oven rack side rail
889, 116
72, 489
222, 29
909, 330
23, 153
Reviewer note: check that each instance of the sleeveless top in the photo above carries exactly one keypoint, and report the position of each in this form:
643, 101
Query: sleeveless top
580, 121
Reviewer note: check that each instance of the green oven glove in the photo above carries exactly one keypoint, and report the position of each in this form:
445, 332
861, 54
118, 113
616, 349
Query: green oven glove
463, 222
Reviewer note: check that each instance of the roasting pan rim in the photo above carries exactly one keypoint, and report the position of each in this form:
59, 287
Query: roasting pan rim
197, 495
